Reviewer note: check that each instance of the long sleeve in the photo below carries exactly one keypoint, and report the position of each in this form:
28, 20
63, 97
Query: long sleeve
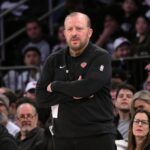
98, 75
44, 98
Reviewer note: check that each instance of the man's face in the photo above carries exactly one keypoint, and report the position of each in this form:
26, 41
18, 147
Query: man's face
77, 32
33, 31
124, 99
26, 117
32, 58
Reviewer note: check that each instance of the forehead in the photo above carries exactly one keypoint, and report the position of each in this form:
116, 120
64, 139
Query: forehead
140, 102
76, 20
142, 116
125, 91
26, 108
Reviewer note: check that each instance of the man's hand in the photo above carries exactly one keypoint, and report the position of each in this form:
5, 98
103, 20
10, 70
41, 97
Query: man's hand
49, 89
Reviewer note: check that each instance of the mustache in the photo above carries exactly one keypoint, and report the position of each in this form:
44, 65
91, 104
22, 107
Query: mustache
75, 38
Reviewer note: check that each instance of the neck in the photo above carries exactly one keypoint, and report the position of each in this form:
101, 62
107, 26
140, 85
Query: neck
139, 142
124, 115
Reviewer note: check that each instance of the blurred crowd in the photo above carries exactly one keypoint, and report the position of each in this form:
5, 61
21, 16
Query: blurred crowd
121, 27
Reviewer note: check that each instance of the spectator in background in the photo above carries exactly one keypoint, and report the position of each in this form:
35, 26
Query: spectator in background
17, 80
35, 38
30, 137
141, 43
123, 99
140, 100
61, 39
122, 48
131, 10
139, 137
32, 57
111, 28
30, 90
4, 108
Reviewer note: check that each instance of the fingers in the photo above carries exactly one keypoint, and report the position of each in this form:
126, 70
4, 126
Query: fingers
80, 77
49, 88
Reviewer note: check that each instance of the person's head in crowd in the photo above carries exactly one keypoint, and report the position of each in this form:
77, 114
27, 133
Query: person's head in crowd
130, 7
32, 56
119, 75
122, 48
27, 116
113, 16
140, 100
124, 97
142, 25
30, 90
34, 30
139, 137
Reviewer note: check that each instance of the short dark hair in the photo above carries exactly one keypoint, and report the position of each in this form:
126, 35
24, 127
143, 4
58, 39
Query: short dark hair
76, 13
125, 86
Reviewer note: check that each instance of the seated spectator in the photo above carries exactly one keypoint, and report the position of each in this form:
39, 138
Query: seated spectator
131, 9
32, 57
141, 43
4, 109
35, 38
123, 99
140, 100
18, 81
61, 39
139, 137
122, 48
30, 90
7, 142
30, 137
111, 29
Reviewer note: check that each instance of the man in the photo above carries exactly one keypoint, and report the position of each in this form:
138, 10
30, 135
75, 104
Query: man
141, 100
30, 137
36, 38
12, 128
75, 82
123, 100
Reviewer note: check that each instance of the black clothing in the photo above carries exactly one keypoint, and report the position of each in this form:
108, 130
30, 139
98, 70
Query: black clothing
35, 140
104, 142
91, 115
7, 142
